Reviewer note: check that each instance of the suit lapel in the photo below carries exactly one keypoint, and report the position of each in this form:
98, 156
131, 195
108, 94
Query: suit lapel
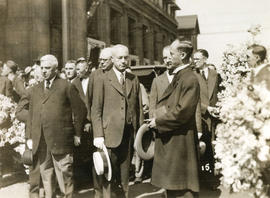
212, 78
163, 84
114, 81
51, 90
129, 83
78, 85
171, 87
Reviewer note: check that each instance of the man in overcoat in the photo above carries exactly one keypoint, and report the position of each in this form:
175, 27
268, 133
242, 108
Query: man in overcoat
116, 115
54, 126
175, 166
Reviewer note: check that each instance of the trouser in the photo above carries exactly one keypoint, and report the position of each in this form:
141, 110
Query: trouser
34, 179
120, 160
51, 164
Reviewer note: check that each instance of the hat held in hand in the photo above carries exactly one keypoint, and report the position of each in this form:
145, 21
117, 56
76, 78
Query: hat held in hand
102, 163
144, 143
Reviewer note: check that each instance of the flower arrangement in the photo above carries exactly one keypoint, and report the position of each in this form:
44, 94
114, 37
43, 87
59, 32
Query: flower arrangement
12, 131
242, 145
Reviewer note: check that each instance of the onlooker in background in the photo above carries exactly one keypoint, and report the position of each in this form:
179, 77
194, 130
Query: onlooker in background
6, 88
257, 60
105, 64
54, 126
116, 115
209, 88
83, 153
160, 83
175, 165
70, 70
212, 66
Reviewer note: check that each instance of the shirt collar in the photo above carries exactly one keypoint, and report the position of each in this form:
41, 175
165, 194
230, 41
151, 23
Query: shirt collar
259, 68
176, 70
51, 81
118, 73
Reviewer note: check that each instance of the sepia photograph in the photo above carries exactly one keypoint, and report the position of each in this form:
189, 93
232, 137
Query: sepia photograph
134, 99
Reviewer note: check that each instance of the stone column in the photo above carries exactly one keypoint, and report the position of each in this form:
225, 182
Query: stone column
139, 41
77, 29
40, 30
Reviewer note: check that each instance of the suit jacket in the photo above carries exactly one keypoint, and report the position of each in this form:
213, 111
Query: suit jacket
175, 165
159, 85
58, 114
263, 75
87, 99
6, 87
109, 107
208, 95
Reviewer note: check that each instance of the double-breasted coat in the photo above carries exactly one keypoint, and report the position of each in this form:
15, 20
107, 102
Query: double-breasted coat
175, 165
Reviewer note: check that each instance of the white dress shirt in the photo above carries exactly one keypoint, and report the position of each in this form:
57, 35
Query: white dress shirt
85, 85
206, 72
170, 77
51, 81
118, 74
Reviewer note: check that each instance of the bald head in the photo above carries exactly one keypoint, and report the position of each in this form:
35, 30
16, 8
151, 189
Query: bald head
120, 57
105, 58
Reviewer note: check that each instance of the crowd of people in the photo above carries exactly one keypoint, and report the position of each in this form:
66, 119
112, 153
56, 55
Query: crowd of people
73, 112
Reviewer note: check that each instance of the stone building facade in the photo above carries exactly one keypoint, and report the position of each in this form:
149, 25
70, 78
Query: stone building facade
32, 28
145, 26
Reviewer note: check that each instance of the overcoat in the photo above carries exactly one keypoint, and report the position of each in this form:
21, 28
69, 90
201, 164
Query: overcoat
57, 113
175, 165
109, 107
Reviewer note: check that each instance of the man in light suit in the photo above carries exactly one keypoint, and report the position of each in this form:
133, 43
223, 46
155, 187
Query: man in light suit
175, 166
161, 82
116, 115
209, 87
256, 60
54, 125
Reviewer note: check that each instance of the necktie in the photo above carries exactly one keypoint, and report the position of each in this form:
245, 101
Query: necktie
203, 75
122, 79
47, 84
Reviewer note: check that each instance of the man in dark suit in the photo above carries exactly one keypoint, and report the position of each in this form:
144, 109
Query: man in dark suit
116, 115
54, 125
105, 64
70, 70
175, 166
82, 154
209, 87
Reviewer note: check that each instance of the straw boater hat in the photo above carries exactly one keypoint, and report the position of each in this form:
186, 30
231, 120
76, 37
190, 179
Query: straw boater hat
145, 136
102, 163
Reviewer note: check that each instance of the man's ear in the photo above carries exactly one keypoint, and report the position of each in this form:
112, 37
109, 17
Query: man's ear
183, 55
258, 58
